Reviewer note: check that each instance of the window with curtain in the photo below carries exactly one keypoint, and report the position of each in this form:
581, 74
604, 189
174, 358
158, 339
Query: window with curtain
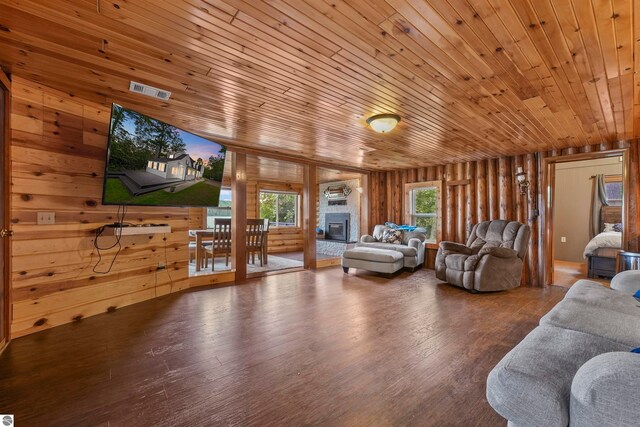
224, 207
280, 208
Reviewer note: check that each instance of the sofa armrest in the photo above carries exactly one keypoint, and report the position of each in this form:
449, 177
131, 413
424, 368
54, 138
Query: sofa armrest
606, 391
415, 243
498, 252
627, 282
419, 245
367, 239
455, 247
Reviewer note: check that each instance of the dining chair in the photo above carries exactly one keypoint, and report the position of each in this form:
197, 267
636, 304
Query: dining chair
220, 243
256, 239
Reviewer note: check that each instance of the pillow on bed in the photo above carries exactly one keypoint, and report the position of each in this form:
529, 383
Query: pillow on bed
612, 227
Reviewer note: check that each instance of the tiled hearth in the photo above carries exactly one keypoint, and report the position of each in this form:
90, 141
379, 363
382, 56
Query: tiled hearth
332, 247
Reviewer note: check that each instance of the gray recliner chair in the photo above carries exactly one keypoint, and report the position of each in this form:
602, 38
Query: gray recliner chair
492, 259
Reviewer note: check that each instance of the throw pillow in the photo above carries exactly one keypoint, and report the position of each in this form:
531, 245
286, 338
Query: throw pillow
392, 236
608, 227
617, 227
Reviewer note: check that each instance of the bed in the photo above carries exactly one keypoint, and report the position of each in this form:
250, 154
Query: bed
602, 250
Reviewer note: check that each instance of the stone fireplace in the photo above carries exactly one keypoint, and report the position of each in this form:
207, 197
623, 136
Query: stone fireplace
339, 222
337, 226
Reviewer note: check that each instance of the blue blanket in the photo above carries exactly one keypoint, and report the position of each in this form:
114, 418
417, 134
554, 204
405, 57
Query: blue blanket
400, 227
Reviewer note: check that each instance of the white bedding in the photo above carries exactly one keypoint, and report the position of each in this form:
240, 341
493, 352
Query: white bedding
607, 239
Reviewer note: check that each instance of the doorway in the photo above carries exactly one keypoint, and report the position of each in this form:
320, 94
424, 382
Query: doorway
4, 242
585, 215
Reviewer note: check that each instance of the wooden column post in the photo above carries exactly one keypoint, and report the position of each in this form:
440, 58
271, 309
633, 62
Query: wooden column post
365, 206
309, 196
239, 215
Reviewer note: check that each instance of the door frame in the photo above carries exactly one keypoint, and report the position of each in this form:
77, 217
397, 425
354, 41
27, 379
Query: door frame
548, 194
5, 84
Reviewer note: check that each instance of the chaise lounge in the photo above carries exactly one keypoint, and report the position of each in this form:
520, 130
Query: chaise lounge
411, 245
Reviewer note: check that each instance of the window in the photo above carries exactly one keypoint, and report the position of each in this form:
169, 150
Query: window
423, 207
163, 167
150, 164
613, 188
224, 207
280, 208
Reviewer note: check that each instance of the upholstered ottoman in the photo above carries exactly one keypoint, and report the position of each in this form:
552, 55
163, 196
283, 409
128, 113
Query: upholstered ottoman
372, 259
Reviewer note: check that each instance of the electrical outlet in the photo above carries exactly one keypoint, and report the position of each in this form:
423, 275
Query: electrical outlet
46, 218
563, 239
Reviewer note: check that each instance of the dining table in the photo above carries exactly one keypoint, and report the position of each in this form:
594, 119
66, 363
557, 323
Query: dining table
203, 235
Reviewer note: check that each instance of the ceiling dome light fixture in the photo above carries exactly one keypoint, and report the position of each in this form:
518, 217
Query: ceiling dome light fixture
383, 123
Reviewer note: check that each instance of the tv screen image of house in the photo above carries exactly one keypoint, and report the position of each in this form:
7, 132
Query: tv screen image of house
151, 163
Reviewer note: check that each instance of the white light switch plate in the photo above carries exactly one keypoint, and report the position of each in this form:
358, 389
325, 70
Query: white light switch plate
46, 218
563, 240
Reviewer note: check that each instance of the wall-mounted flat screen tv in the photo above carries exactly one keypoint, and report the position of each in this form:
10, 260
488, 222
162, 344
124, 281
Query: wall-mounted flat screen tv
151, 163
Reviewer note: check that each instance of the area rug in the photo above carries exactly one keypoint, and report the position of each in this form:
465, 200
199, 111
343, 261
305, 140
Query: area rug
275, 263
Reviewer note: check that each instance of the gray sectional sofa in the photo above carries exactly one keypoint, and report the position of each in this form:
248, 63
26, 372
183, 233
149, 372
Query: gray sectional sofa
575, 368
412, 247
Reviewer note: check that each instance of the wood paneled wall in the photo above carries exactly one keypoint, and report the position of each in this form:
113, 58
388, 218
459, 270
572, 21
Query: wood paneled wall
58, 150
487, 190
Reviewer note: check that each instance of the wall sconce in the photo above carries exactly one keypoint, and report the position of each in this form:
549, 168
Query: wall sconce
523, 182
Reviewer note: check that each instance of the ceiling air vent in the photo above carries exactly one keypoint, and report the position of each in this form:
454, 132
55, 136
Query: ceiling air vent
151, 91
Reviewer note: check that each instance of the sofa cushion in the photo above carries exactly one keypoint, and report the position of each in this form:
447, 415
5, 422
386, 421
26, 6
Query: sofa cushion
500, 233
392, 236
497, 251
471, 262
455, 261
576, 315
595, 294
373, 254
531, 385
405, 250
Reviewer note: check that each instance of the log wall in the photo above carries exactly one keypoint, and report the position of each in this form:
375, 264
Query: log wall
58, 145
492, 193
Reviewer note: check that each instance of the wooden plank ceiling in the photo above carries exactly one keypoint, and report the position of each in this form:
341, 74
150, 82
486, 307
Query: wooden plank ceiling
471, 79
261, 168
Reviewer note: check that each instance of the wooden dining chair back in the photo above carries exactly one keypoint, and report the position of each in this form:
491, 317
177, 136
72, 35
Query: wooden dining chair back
256, 239
221, 242
199, 247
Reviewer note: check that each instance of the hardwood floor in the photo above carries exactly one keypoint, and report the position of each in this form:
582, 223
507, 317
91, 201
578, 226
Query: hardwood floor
566, 273
301, 348
299, 256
